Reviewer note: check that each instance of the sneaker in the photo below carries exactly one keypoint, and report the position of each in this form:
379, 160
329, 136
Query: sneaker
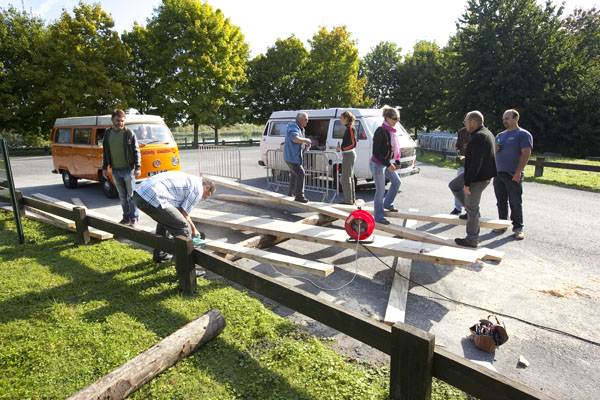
499, 230
463, 216
200, 272
133, 222
465, 243
519, 235
456, 211
124, 222
301, 199
383, 222
162, 257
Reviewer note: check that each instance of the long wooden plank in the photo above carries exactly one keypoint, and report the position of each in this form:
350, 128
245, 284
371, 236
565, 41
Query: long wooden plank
95, 233
337, 237
396, 307
296, 263
323, 208
439, 218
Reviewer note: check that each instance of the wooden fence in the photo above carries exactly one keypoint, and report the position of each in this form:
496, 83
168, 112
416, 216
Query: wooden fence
414, 357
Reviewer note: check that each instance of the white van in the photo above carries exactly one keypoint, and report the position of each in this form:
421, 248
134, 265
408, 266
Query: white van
326, 132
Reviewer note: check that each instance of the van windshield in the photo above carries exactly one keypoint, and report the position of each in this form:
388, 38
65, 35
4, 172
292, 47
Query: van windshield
147, 133
375, 122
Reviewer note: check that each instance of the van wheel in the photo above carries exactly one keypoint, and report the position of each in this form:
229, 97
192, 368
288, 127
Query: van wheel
109, 189
69, 180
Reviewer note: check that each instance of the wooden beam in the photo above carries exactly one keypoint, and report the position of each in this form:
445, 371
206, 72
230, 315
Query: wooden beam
396, 307
439, 218
129, 377
326, 209
298, 264
337, 237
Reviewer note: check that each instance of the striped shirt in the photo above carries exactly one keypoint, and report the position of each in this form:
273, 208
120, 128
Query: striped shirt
174, 188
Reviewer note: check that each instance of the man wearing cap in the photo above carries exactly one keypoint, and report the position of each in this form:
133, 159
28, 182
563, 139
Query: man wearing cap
168, 199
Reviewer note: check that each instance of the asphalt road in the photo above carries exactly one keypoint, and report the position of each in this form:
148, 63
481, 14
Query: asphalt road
551, 278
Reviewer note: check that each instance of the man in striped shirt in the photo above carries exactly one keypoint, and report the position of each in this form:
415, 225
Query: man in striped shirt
168, 198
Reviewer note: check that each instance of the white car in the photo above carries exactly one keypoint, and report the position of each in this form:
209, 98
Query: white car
326, 132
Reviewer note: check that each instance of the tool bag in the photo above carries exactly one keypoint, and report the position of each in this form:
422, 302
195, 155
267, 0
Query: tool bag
487, 335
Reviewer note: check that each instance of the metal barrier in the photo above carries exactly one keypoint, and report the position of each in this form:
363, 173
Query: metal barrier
224, 161
321, 172
438, 141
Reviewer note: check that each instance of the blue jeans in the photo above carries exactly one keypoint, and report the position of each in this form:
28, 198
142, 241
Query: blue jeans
125, 182
380, 172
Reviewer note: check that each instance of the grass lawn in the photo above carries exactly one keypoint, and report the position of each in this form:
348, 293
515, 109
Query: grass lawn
70, 314
583, 180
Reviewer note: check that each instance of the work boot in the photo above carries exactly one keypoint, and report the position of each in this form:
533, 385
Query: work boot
456, 211
465, 243
519, 235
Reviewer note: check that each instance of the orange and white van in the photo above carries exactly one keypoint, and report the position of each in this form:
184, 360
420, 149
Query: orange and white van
77, 148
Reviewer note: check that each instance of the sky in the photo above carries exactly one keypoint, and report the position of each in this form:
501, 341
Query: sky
262, 22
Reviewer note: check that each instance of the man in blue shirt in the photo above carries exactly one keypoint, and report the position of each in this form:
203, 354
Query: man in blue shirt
168, 198
513, 149
294, 143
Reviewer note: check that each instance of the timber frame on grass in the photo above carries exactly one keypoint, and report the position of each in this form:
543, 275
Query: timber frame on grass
414, 357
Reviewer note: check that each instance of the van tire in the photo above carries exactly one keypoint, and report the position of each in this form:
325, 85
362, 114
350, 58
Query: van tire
69, 180
109, 189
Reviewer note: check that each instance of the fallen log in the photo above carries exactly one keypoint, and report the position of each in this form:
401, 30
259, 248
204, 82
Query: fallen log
129, 377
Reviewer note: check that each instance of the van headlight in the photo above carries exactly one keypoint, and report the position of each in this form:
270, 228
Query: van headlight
175, 161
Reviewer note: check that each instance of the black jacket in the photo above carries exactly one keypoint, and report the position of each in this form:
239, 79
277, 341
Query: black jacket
382, 146
134, 158
480, 157
349, 140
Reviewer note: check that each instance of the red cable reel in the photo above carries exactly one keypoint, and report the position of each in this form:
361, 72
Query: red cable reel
359, 220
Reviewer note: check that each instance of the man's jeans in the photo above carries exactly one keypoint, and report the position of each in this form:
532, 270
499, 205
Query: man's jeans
509, 192
125, 182
380, 172
168, 219
470, 202
296, 180
457, 205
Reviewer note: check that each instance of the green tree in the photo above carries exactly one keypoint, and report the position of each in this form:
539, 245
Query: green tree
419, 88
198, 65
380, 67
139, 75
330, 76
81, 68
273, 79
21, 36
507, 54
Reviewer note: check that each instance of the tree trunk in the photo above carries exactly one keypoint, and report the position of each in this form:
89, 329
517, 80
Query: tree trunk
129, 377
216, 135
195, 143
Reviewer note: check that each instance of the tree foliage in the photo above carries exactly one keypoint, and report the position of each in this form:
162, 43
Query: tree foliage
418, 86
198, 64
380, 67
274, 80
330, 76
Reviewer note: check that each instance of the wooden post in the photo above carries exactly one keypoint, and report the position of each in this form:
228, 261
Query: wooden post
411, 364
539, 167
184, 264
81, 225
129, 377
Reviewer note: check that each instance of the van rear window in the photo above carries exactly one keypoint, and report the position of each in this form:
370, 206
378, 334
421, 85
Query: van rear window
63, 135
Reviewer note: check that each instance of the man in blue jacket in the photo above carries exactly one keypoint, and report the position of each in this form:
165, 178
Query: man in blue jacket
295, 141
480, 167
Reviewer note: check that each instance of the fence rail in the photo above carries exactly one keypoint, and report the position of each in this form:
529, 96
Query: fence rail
414, 356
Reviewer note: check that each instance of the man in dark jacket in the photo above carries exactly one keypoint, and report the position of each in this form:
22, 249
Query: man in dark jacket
480, 167
122, 153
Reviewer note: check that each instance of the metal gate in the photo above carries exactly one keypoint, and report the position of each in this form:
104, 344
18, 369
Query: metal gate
321, 172
224, 161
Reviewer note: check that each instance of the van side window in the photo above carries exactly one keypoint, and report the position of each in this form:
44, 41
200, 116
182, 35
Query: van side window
339, 130
279, 128
82, 136
99, 136
63, 135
